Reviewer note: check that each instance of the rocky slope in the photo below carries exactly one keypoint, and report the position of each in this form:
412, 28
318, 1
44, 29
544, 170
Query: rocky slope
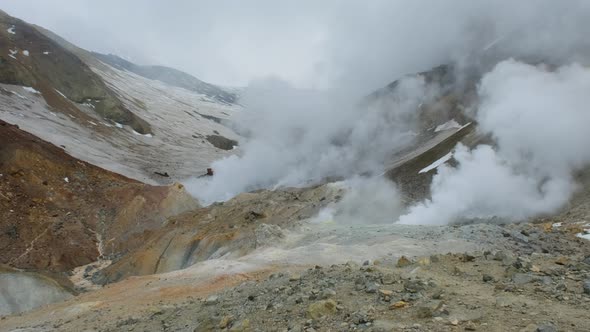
532, 278
29, 58
58, 91
58, 212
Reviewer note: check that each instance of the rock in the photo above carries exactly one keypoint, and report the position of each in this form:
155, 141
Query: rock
586, 260
363, 316
320, 309
519, 237
267, 235
225, 321
522, 263
327, 293
213, 299
128, 321
505, 257
398, 305
205, 325
389, 279
371, 287
523, 278
487, 278
586, 286
437, 295
475, 316
546, 280
403, 262
529, 328
383, 325
385, 292
502, 301
470, 326
562, 261
457, 271
243, 326
424, 261
385, 295
410, 297
535, 269
429, 309
414, 286
294, 277
467, 258
546, 328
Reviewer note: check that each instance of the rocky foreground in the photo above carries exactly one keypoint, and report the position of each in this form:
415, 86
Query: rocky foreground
536, 279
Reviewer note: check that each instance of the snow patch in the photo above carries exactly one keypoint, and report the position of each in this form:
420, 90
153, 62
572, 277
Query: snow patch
584, 235
19, 95
146, 135
118, 125
61, 94
11, 30
89, 105
557, 224
92, 123
31, 90
13, 53
452, 124
26, 53
437, 163
67, 180
46, 53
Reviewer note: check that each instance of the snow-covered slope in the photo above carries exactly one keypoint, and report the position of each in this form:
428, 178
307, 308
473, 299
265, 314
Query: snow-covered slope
188, 130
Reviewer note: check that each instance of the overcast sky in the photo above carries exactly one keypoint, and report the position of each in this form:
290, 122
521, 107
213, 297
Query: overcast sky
308, 43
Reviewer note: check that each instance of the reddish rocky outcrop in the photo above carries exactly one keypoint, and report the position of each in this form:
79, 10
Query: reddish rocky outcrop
57, 212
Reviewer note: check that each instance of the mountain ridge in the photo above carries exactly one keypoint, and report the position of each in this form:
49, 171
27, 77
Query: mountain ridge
170, 76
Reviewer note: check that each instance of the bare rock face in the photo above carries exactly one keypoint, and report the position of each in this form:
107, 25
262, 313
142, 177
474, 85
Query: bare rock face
230, 230
57, 212
221, 142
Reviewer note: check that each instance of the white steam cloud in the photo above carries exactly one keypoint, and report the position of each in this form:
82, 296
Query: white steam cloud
539, 119
537, 115
367, 200
300, 137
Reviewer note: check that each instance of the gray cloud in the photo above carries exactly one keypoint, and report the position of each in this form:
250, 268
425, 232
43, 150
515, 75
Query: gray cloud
539, 119
308, 43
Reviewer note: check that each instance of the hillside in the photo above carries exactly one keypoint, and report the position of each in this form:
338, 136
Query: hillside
36, 98
30, 59
170, 76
